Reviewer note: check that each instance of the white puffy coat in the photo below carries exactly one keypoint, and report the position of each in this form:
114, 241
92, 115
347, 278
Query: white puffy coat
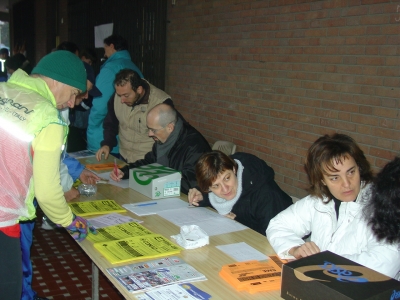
349, 236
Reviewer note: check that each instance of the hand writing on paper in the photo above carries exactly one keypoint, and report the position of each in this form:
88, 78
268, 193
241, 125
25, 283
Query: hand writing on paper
307, 249
103, 150
118, 176
88, 177
231, 216
194, 197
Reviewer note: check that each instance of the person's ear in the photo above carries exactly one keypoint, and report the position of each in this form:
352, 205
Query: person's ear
323, 182
170, 127
139, 90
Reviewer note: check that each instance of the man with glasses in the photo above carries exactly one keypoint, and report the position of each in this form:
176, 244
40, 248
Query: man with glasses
177, 145
126, 117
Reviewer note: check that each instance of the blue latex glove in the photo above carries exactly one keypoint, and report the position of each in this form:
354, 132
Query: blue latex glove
79, 228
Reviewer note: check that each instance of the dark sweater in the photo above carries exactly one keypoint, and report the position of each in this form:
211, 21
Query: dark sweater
261, 198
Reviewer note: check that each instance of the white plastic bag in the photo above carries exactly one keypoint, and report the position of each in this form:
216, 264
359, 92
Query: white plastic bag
191, 237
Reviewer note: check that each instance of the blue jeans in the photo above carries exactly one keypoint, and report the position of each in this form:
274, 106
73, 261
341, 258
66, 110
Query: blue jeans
26, 243
26, 240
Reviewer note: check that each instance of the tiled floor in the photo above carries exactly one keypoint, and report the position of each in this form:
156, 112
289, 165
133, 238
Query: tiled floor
62, 270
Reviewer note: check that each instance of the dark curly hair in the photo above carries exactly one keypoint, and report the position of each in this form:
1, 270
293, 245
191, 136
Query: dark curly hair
384, 207
324, 152
127, 75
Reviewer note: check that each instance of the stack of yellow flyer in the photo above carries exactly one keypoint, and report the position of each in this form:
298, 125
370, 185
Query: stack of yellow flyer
130, 241
138, 247
97, 207
118, 232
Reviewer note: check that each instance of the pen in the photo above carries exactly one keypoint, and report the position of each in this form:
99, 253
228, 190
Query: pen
115, 167
146, 204
102, 181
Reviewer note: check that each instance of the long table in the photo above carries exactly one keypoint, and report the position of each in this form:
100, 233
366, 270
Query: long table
207, 260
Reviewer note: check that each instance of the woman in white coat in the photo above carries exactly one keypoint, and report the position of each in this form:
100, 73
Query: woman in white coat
332, 214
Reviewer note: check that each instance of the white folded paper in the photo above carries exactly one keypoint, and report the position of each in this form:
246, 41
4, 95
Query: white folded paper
191, 237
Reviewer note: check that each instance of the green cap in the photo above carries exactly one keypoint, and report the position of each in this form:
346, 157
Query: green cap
64, 67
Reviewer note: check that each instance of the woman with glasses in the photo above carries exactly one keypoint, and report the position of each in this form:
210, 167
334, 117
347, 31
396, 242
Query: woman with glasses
240, 187
340, 187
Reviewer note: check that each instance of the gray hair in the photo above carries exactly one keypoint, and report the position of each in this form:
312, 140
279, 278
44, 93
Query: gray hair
167, 116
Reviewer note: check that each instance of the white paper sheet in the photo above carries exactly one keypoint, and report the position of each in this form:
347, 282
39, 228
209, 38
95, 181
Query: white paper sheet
111, 219
172, 291
211, 222
182, 291
124, 183
242, 252
101, 32
155, 206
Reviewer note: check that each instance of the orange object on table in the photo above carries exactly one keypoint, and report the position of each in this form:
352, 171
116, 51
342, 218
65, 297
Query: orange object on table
102, 167
253, 276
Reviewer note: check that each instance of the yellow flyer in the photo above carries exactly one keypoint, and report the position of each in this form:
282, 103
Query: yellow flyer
118, 232
128, 249
97, 207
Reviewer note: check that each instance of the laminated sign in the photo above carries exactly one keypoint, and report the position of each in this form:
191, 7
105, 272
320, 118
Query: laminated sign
155, 181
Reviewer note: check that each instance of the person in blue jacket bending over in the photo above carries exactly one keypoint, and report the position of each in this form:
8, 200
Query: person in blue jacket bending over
118, 58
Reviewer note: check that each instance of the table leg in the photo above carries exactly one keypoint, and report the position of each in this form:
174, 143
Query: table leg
95, 282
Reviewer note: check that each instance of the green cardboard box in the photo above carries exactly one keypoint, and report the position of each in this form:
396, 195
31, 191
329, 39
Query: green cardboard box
155, 181
327, 275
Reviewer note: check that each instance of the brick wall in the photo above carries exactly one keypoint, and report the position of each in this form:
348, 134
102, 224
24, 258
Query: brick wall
273, 76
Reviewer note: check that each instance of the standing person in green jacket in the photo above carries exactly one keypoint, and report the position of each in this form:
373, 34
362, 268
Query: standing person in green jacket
32, 136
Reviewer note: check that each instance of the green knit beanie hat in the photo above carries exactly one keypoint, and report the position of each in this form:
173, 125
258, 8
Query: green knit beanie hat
64, 67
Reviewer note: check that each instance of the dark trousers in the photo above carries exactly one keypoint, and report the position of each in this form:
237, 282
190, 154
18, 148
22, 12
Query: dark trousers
10, 268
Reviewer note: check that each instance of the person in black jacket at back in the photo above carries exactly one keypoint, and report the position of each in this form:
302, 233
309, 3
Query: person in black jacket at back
177, 145
241, 187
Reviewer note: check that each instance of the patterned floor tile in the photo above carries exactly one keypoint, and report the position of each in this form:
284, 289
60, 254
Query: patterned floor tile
62, 270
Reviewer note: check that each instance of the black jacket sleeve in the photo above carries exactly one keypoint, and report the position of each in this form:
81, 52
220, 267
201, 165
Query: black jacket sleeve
189, 147
267, 202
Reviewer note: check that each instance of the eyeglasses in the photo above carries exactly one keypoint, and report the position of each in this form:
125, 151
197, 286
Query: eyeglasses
154, 131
